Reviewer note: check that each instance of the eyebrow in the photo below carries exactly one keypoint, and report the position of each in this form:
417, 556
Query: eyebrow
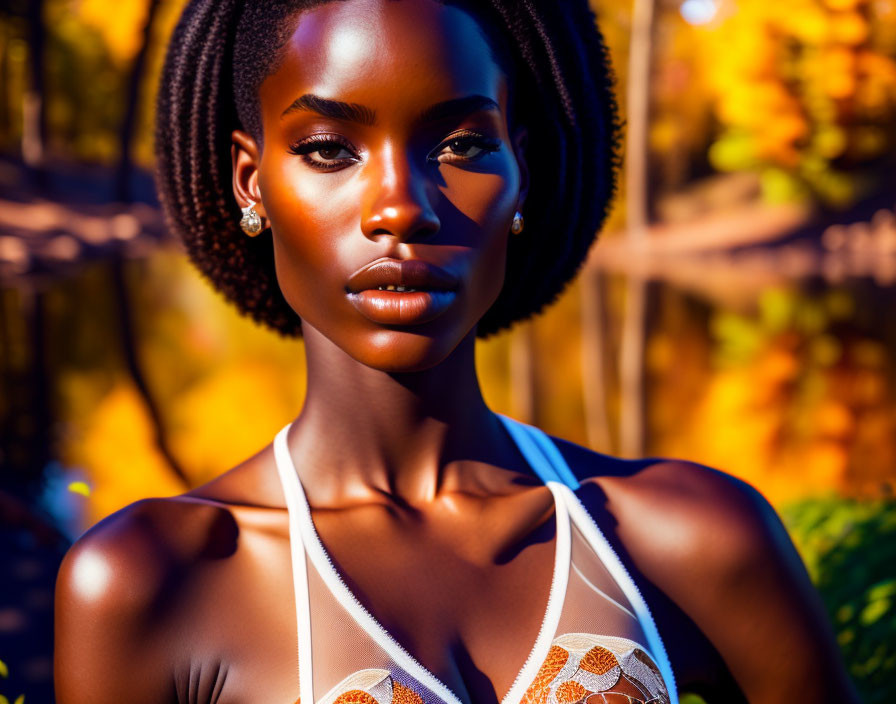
353, 112
457, 107
335, 109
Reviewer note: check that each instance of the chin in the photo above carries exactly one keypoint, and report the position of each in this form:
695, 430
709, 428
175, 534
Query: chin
403, 351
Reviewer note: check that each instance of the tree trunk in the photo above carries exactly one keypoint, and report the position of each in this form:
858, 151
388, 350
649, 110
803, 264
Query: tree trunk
594, 361
6, 127
631, 372
632, 418
132, 362
34, 122
132, 110
25, 408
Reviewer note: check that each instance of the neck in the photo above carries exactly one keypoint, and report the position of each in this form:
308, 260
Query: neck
365, 433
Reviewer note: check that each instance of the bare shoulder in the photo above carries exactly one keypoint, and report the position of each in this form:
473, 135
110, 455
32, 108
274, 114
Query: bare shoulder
114, 589
127, 556
663, 505
716, 548
126, 560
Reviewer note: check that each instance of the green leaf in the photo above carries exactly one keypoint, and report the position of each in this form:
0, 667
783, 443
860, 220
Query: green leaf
844, 613
882, 590
691, 699
874, 611
846, 637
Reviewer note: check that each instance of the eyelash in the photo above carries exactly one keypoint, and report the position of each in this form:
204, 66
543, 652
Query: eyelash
318, 142
486, 144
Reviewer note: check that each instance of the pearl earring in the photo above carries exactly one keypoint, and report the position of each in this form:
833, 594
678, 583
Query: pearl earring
251, 221
517, 226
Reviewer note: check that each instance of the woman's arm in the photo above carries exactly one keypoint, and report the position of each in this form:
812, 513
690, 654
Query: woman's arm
106, 647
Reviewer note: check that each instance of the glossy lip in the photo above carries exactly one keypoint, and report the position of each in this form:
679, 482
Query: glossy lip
435, 290
411, 273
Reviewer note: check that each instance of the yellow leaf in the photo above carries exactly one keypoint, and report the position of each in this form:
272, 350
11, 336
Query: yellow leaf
20, 699
4, 670
119, 23
79, 488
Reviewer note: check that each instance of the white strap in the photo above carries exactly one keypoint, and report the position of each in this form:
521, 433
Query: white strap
549, 464
556, 599
307, 535
584, 521
291, 487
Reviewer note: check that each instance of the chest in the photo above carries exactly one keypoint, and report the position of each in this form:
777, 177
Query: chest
467, 601
477, 605
477, 621
465, 592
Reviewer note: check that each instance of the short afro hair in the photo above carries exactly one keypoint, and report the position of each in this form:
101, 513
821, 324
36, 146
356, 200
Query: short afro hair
562, 91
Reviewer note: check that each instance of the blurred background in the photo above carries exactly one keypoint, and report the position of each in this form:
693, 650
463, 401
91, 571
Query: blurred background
737, 311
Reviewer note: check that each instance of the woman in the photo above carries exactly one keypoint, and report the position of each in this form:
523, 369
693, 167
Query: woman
392, 179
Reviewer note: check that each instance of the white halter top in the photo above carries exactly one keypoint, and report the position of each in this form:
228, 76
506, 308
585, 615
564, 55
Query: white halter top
598, 643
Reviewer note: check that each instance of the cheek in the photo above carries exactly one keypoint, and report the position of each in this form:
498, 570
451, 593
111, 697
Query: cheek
298, 200
487, 201
310, 218
491, 270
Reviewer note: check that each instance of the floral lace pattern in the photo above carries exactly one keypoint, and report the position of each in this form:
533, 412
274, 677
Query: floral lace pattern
371, 686
580, 668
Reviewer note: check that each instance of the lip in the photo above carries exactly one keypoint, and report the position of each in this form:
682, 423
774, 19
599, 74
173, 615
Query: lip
435, 289
410, 273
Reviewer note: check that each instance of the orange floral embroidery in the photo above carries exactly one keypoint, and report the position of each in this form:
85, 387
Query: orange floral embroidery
355, 696
404, 695
570, 692
539, 689
579, 671
598, 660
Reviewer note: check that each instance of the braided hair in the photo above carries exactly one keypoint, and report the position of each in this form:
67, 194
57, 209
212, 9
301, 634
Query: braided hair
562, 91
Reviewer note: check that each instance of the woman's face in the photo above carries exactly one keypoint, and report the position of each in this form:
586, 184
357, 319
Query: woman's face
386, 163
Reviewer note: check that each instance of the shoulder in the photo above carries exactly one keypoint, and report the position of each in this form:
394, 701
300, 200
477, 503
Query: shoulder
663, 505
142, 542
714, 547
126, 563
114, 589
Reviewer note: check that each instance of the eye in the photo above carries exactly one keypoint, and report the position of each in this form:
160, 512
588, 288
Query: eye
325, 152
468, 146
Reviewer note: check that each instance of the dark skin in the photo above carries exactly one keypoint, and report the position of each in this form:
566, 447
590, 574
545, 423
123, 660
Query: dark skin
190, 598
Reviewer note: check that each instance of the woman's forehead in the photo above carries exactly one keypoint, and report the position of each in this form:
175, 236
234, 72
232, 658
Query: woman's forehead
388, 52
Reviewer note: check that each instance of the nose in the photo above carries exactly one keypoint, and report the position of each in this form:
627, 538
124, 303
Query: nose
398, 201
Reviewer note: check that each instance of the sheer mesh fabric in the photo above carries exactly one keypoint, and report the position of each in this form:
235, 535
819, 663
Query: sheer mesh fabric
597, 652
593, 650
346, 658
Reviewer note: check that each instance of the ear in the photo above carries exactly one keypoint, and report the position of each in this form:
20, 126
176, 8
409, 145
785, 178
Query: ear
520, 140
245, 159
